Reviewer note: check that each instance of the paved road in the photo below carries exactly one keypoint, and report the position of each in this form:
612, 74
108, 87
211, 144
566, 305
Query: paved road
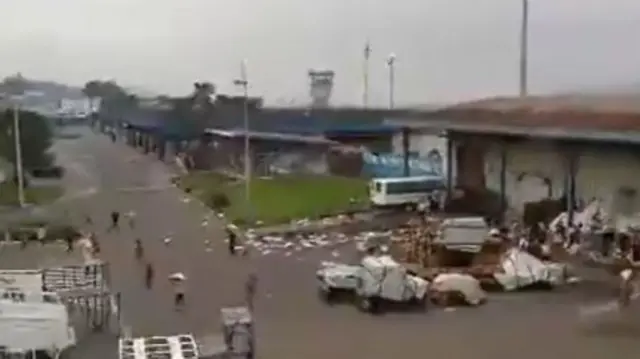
291, 322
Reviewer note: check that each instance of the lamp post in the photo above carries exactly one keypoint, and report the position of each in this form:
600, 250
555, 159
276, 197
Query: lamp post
524, 48
243, 82
365, 80
391, 60
17, 142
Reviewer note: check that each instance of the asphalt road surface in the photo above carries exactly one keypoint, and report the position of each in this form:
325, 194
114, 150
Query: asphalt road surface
290, 320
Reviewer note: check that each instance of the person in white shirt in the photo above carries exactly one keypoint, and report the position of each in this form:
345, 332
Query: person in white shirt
179, 289
131, 217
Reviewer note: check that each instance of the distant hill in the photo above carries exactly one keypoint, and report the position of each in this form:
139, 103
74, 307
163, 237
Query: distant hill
50, 90
630, 89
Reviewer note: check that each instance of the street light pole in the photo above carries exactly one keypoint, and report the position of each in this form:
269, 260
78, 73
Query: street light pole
17, 141
391, 60
244, 83
365, 90
524, 49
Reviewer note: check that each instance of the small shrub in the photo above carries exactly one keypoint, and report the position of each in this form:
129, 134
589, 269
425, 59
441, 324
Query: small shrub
61, 232
219, 201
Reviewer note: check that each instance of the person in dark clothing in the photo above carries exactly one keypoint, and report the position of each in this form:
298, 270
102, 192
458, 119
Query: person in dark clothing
115, 220
250, 289
608, 238
231, 236
138, 249
635, 250
69, 241
434, 204
148, 276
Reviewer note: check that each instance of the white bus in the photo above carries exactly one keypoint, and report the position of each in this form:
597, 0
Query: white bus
408, 191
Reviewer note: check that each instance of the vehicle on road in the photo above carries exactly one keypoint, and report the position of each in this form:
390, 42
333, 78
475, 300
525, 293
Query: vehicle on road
404, 191
377, 283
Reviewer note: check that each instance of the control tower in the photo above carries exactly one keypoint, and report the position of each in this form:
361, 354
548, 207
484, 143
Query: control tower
320, 87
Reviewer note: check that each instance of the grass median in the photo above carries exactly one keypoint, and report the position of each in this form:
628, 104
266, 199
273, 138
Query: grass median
280, 199
37, 195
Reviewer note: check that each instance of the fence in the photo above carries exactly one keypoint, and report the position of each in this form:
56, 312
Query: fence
86, 276
85, 291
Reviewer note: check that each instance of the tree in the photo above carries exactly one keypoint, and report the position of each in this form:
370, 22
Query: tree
201, 95
107, 90
115, 100
36, 137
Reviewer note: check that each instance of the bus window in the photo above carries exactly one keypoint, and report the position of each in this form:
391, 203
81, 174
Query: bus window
414, 186
378, 187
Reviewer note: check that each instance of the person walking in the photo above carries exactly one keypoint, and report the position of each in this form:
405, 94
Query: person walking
148, 275
115, 221
178, 280
138, 249
131, 218
69, 239
250, 290
231, 241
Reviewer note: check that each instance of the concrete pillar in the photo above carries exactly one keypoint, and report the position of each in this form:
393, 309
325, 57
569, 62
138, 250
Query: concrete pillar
146, 144
449, 157
162, 148
405, 151
570, 189
503, 178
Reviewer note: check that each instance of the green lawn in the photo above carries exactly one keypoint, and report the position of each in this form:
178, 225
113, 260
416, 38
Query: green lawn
33, 195
283, 198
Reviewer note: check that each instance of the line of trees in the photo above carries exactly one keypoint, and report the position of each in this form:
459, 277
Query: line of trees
36, 137
36, 134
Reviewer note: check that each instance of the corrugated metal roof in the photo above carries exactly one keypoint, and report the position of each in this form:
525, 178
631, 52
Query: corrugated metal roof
240, 133
510, 129
587, 103
594, 112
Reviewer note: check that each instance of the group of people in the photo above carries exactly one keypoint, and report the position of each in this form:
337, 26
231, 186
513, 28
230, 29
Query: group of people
139, 254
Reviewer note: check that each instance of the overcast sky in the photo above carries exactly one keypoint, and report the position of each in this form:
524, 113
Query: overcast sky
447, 50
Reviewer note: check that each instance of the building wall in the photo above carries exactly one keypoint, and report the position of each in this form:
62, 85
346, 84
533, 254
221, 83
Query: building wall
609, 175
535, 170
426, 144
538, 169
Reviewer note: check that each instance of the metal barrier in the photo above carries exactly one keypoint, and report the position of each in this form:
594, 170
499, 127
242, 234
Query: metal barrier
86, 276
93, 310
85, 291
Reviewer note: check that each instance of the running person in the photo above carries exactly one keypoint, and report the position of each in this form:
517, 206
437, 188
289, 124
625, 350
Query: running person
148, 276
250, 289
131, 218
115, 220
138, 250
179, 290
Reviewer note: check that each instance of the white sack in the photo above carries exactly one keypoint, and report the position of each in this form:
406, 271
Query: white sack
462, 283
522, 269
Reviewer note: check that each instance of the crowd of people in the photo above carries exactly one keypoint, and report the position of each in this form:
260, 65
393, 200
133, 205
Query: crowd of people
92, 248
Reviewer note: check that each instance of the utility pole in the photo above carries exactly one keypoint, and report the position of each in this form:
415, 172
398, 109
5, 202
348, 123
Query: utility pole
365, 90
524, 49
244, 83
391, 60
17, 141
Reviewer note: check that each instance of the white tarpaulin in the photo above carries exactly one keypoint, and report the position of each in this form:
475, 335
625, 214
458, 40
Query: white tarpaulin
26, 326
29, 280
521, 269
465, 284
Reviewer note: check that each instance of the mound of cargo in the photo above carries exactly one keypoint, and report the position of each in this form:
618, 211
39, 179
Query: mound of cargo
464, 246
